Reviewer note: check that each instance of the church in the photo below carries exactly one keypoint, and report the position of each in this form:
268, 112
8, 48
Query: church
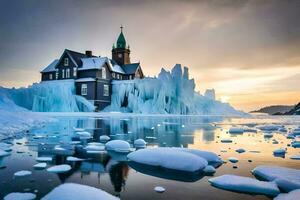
93, 75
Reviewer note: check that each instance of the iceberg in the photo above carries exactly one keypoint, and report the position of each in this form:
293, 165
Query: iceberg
169, 93
74, 191
59, 168
245, 184
22, 173
47, 96
120, 146
20, 196
293, 195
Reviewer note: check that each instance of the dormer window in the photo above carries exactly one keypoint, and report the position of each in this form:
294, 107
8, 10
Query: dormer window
103, 73
74, 72
66, 62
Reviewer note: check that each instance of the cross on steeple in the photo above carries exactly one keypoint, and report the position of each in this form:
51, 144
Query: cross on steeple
121, 27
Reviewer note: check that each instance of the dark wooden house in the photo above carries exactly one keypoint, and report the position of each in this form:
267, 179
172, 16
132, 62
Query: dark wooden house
92, 75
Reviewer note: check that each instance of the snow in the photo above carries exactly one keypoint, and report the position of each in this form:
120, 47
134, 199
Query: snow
3, 153
93, 63
85, 80
287, 179
72, 191
95, 147
293, 195
245, 184
140, 143
118, 146
170, 93
22, 173
159, 189
210, 157
170, 158
236, 130
51, 67
40, 165
20, 196
84, 135
59, 168
44, 159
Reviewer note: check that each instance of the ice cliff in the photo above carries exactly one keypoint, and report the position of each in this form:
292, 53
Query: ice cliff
50, 96
170, 93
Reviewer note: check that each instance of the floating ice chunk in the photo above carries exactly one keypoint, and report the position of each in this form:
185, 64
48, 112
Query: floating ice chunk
268, 134
104, 138
280, 151
59, 168
84, 135
20, 196
210, 157
209, 169
140, 143
295, 157
22, 173
245, 184
233, 159
295, 144
95, 147
3, 153
293, 195
226, 141
74, 191
290, 136
5, 146
74, 159
40, 165
78, 129
159, 189
236, 130
269, 127
241, 150
283, 129
170, 158
118, 146
44, 159
250, 130
271, 173
275, 141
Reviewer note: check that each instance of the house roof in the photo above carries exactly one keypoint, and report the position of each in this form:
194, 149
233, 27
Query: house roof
130, 68
92, 63
76, 56
115, 67
51, 67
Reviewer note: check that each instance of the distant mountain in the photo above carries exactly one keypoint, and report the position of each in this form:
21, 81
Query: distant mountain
276, 109
294, 111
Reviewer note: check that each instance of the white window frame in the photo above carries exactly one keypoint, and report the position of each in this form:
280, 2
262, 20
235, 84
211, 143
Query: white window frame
113, 75
105, 90
63, 73
68, 73
66, 62
74, 71
50, 76
84, 89
103, 73
118, 77
130, 77
56, 75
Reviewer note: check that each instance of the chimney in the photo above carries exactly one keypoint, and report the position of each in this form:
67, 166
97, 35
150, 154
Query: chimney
88, 53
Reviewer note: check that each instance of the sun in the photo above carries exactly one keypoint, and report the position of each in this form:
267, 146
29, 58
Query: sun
224, 99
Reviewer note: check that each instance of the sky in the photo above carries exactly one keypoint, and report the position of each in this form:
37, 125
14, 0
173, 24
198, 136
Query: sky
247, 50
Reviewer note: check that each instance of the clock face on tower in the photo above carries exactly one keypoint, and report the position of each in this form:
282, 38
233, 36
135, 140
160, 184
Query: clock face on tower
119, 55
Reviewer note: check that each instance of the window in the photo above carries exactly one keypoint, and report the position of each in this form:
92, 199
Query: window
103, 73
63, 73
130, 77
56, 75
50, 76
68, 73
74, 72
113, 75
119, 55
118, 77
66, 61
84, 89
105, 90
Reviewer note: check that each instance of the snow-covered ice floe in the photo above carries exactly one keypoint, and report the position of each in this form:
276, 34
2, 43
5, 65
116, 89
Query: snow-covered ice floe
293, 195
159, 189
245, 185
44, 159
42, 165
140, 143
22, 173
59, 168
118, 146
287, 179
20, 196
236, 130
74, 191
169, 158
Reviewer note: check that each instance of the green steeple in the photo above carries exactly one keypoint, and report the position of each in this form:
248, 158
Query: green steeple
121, 42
